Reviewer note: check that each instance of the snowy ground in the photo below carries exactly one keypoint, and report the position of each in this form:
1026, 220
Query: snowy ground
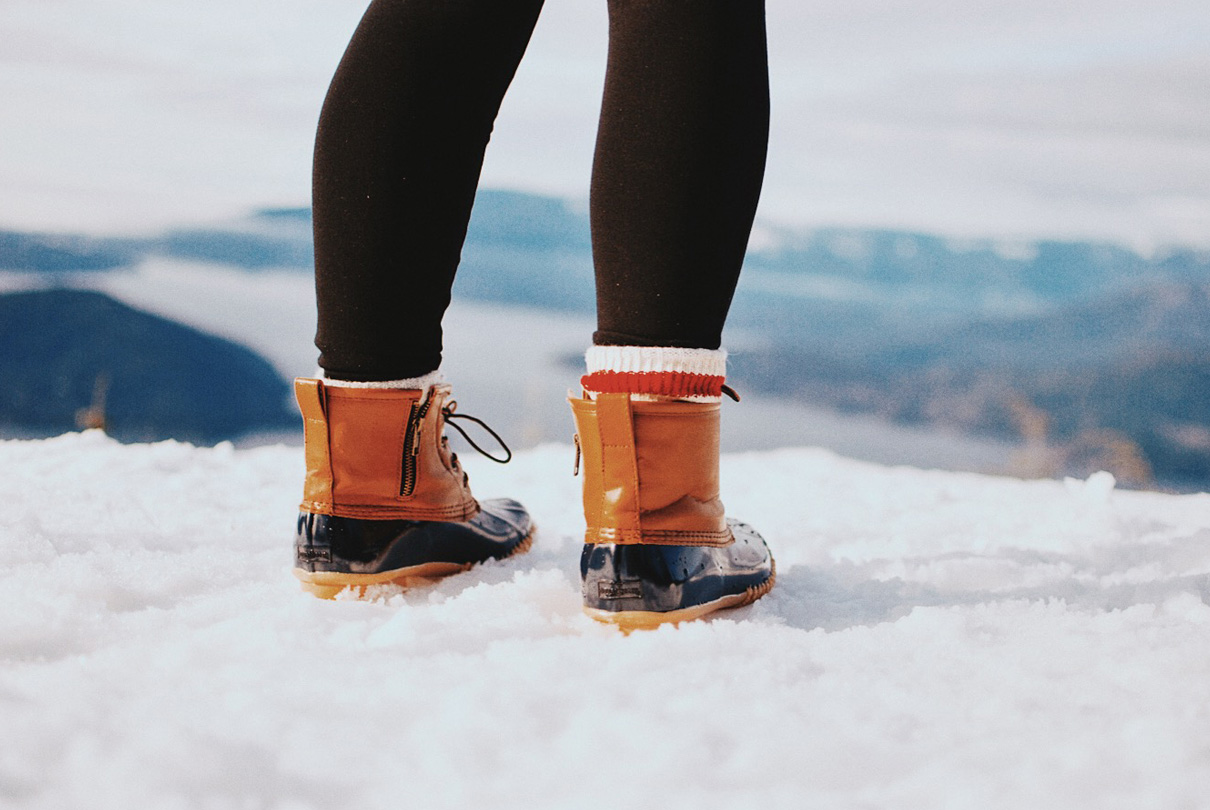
935, 640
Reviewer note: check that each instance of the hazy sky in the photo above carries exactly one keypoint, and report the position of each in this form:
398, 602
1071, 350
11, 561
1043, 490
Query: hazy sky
1010, 118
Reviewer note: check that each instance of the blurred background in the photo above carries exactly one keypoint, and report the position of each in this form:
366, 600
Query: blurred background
984, 242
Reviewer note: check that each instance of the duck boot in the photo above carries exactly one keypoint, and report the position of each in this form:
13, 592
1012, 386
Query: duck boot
658, 547
385, 500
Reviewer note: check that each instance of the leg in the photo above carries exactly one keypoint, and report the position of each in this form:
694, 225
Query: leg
397, 159
679, 164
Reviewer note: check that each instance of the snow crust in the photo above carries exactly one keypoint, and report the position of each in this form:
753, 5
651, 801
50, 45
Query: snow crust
935, 640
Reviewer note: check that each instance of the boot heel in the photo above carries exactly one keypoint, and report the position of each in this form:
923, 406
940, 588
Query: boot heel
630, 620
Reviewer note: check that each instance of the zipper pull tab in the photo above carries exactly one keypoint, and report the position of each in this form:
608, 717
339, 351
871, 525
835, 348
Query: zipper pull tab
418, 420
576, 470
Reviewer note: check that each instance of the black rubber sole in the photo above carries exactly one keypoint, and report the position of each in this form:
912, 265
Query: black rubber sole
327, 584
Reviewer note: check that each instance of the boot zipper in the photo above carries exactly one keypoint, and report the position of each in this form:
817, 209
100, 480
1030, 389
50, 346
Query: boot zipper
576, 470
411, 447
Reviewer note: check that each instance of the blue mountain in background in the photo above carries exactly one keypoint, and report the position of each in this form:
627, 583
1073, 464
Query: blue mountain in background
75, 358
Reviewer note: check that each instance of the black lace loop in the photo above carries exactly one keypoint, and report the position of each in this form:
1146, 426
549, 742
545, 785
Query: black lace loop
450, 416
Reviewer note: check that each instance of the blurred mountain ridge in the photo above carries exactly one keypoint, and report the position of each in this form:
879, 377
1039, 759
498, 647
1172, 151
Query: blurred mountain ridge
983, 335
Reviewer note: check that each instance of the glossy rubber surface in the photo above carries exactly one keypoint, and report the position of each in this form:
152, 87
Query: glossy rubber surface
648, 584
331, 553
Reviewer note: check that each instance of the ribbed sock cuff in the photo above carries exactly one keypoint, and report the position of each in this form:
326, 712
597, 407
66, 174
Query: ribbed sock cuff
693, 374
422, 383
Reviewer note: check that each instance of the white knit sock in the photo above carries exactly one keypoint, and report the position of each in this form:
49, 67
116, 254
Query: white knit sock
422, 383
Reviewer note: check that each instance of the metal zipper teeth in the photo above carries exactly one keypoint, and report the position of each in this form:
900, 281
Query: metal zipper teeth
411, 447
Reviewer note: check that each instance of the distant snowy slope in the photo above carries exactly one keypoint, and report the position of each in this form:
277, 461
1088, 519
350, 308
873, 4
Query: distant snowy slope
935, 640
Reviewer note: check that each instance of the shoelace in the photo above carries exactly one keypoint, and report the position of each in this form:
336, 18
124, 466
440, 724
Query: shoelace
450, 415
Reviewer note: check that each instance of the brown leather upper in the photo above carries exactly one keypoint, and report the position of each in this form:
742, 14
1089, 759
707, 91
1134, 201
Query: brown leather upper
356, 467
650, 471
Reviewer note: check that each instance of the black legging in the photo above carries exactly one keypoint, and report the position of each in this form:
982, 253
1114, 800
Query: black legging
679, 162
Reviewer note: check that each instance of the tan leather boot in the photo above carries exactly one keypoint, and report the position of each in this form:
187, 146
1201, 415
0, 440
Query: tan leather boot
658, 547
384, 499
380, 453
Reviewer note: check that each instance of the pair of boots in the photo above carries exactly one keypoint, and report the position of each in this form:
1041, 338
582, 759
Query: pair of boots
385, 500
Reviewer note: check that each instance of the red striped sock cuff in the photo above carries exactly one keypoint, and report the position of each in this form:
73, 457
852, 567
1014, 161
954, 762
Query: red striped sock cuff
655, 370
658, 383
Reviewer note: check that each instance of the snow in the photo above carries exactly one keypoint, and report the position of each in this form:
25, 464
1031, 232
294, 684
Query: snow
936, 639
